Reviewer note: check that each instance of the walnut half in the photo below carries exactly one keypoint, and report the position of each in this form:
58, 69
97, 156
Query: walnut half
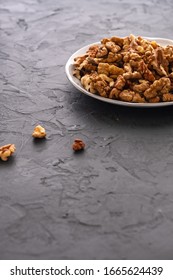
6, 151
39, 132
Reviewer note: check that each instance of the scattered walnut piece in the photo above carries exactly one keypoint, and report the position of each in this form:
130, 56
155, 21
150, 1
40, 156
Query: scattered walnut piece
78, 145
39, 132
6, 151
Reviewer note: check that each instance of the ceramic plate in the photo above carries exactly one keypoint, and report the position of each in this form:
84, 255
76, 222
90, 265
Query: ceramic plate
77, 83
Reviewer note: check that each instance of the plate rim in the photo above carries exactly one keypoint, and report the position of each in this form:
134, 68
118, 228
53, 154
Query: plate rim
72, 79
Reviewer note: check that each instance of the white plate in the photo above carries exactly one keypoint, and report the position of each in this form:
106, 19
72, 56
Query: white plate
77, 83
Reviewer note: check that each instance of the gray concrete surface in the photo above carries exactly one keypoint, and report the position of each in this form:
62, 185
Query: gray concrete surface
114, 200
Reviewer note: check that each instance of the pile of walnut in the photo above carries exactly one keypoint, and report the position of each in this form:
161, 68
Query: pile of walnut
130, 69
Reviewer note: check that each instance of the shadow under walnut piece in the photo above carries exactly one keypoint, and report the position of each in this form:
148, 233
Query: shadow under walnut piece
9, 163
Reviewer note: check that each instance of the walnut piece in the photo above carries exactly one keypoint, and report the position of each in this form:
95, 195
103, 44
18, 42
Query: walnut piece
167, 97
93, 51
144, 85
39, 132
78, 145
6, 151
87, 83
102, 51
113, 47
120, 82
158, 88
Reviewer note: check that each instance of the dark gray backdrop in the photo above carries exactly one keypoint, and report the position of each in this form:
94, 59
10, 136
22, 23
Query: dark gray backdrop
115, 200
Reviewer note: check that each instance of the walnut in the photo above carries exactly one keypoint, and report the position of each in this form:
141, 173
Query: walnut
115, 71
135, 56
167, 97
6, 151
127, 67
77, 73
78, 145
107, 79
93, 50
160, 87
39, 132
133, 41
114, 94
78, 60
87, 82
131, 96
102, 51
112, 47
87, 66
120, 82
154, 44
144, 85
126, 95
103, 68
118, 41
105, 40
159, 62
131, 57
134, 75
134, 65
140, 49
102, 88
126, 57
126, 44
147, 45
113, 57
168, 52
155, 99
112, 70
92, 60
137, 98
147, 74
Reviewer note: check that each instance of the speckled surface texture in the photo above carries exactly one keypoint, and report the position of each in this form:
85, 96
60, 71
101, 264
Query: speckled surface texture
114, 200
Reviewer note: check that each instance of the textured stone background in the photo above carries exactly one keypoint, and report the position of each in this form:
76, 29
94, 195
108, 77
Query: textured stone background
115, 200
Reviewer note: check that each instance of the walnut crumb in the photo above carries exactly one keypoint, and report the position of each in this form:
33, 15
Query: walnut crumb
6, 151
39, 132
78, 145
